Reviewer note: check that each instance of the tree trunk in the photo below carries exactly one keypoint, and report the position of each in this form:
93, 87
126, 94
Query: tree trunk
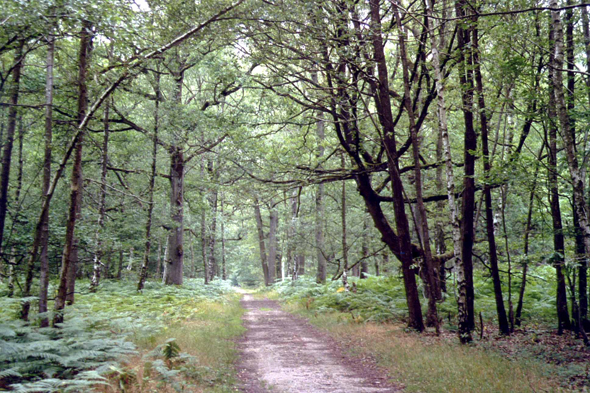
148, 224
527, 232
446, 152
558, 238
487, 167
213, 268
159, 267
223, 268
569, 139
466, 296
68, 268
260, 230
99, 252
344, 245
319, 201
292, 257
120, 265
43, 255
130, 264
176, 237
272, 245
176, 234
431, 282
386, 118
365, 249
9, 142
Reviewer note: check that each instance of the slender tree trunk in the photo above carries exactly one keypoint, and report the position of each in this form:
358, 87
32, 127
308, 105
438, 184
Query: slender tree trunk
43, 255
213, 268
466, 296
344, 243
567, 131
10, 132
159, 267
223, 267
68, 269
487, 167
446, 152
415, 320
319, 201
148, 224
272, 245
558, 238
527, 232
99, 252
120, 265
130, 264
292, 257
365, 248
17, 199
262, 246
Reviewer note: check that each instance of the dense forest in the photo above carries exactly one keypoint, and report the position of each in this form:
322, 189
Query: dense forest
437, 147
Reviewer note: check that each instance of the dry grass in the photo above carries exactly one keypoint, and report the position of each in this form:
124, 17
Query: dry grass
426, 363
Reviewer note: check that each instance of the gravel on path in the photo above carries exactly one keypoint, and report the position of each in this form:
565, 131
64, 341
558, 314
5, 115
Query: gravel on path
282, 353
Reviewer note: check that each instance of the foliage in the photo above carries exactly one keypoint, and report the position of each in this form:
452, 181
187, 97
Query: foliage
381, 298
103, 328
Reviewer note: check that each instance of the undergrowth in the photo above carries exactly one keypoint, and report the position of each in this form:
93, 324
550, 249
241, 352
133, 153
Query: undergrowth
166, 338
381, 299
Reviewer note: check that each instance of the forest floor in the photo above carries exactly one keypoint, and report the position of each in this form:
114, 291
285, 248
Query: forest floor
281, 352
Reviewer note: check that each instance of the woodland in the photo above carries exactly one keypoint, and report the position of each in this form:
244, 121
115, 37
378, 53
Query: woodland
417, 162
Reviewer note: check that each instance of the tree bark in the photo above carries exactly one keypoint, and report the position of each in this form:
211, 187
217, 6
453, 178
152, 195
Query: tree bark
487, 167
223, 267
213, 268
176, 233
68, 269
344, 243
10, 132
261, 244
272, 244
466, 296
386, 118
319, 200
148, 224
48, 139
431, 281
445, 151
365, 249
99, 252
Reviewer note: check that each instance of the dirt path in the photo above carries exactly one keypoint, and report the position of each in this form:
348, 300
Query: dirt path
283, 353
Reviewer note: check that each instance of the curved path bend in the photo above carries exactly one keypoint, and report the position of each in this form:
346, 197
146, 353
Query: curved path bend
281, 353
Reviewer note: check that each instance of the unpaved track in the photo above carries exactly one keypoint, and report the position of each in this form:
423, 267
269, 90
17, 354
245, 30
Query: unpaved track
281, 353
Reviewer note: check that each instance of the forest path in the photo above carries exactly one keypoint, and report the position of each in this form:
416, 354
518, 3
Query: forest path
283, 353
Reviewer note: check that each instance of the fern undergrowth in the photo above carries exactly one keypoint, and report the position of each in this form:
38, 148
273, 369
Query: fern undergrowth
100, 331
